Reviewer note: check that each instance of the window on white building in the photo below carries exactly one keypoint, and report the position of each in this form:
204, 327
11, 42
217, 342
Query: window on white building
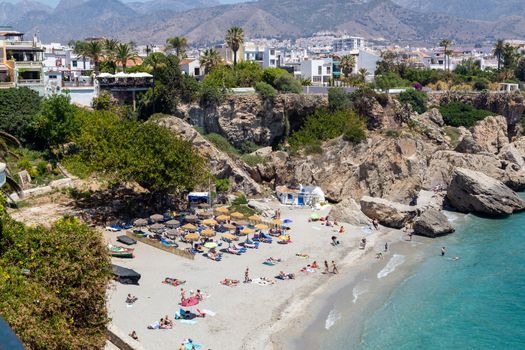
272, 52
52, 77
316, 78
320, 70
327, 70
74, 63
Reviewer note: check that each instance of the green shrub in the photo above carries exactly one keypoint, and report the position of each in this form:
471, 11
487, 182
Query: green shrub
287, 83
211, 95
248, 147
460, 114
338, 99
392, 133
18, 108
222, 144
247, 74
324, 125
41, 168
253, 159
53, 284
222, 185
415, 98
266, 91
481, 84
270, 74
24, 164
103, 101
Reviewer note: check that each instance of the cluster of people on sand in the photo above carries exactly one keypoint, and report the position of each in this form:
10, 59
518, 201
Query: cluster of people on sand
193, 296
327, 267
131, 299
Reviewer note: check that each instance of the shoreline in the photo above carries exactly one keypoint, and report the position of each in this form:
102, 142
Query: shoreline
295, 331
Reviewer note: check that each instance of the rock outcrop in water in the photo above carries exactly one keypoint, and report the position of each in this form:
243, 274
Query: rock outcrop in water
432, 223
473, 191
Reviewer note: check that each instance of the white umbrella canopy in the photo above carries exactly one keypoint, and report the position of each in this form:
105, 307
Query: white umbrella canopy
156, 217
156, 227
172, 223
140, 222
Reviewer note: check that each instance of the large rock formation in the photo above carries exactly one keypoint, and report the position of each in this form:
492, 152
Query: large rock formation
473, 191
432, 223
388, 213
221, 165
249, 118
489, 135
350, 212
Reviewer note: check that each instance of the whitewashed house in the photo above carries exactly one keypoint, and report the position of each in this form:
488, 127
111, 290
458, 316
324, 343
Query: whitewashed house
304, 195
318, 71
192, 67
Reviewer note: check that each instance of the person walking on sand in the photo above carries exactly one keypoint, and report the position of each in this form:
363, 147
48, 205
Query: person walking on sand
182, 294
375, 222
443, 251
334, 268
247, 276
326, 268
386, 247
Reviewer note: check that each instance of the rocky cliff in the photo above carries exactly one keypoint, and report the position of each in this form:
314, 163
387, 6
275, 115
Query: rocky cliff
405, 153
249, 118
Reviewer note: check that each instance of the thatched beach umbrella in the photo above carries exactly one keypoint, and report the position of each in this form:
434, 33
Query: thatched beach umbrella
261, 227
277, 222
156, 227
209, 222
247, 231
230, 237
208, 233
222, 218
222, 210
254, 218
172, 223
237, 215
192, 237
189, 227
229, 226
156, 217
140, 222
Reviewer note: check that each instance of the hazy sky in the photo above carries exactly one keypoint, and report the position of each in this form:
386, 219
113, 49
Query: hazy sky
54, 2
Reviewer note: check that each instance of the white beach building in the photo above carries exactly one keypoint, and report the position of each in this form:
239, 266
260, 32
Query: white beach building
304, 195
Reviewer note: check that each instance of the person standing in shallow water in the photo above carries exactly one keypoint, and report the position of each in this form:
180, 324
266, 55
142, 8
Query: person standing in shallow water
443, 251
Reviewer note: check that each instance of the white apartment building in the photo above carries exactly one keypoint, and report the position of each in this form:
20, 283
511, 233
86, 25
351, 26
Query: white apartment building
318, 71
348, 43
368, 60
265, 56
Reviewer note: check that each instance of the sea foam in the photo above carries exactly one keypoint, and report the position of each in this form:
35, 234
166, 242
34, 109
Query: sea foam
332, 318
394, 262
357, 291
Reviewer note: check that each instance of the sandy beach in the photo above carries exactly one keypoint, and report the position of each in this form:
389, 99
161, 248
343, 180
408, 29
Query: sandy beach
248, 315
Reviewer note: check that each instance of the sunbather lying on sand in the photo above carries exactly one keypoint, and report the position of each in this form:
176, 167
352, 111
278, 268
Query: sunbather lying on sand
301, 255
230, 282
285, 276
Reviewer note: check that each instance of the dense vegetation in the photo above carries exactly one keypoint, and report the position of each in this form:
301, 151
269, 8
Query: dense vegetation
53, 283
324, 125
460, 114
415, 98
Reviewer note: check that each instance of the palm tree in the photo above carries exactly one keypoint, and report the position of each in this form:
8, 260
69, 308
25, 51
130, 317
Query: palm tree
123, 53
110, 48
79, 49
210, 59
95, 51
156, 60
363, 73
179, 44
445, 44
347, 64
234, 39
498, 51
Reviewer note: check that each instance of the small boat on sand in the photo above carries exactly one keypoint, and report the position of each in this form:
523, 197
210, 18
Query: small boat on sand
120, 252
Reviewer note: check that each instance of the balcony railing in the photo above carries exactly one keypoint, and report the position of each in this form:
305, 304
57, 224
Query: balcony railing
30, 82
30, 64
25, 43
77, 83
7, 84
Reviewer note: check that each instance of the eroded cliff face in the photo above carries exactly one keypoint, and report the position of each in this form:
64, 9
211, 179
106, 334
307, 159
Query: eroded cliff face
403, 154
250, 118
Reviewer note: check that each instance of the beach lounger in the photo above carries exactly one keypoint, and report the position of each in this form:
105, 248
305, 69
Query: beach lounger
114, 228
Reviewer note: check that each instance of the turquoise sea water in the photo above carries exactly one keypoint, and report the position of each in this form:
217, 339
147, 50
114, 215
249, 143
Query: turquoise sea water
477, 302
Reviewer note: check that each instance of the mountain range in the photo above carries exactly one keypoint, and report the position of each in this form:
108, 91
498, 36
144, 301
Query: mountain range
205, 21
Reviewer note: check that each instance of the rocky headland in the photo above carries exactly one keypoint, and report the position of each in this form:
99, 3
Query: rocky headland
409, 168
